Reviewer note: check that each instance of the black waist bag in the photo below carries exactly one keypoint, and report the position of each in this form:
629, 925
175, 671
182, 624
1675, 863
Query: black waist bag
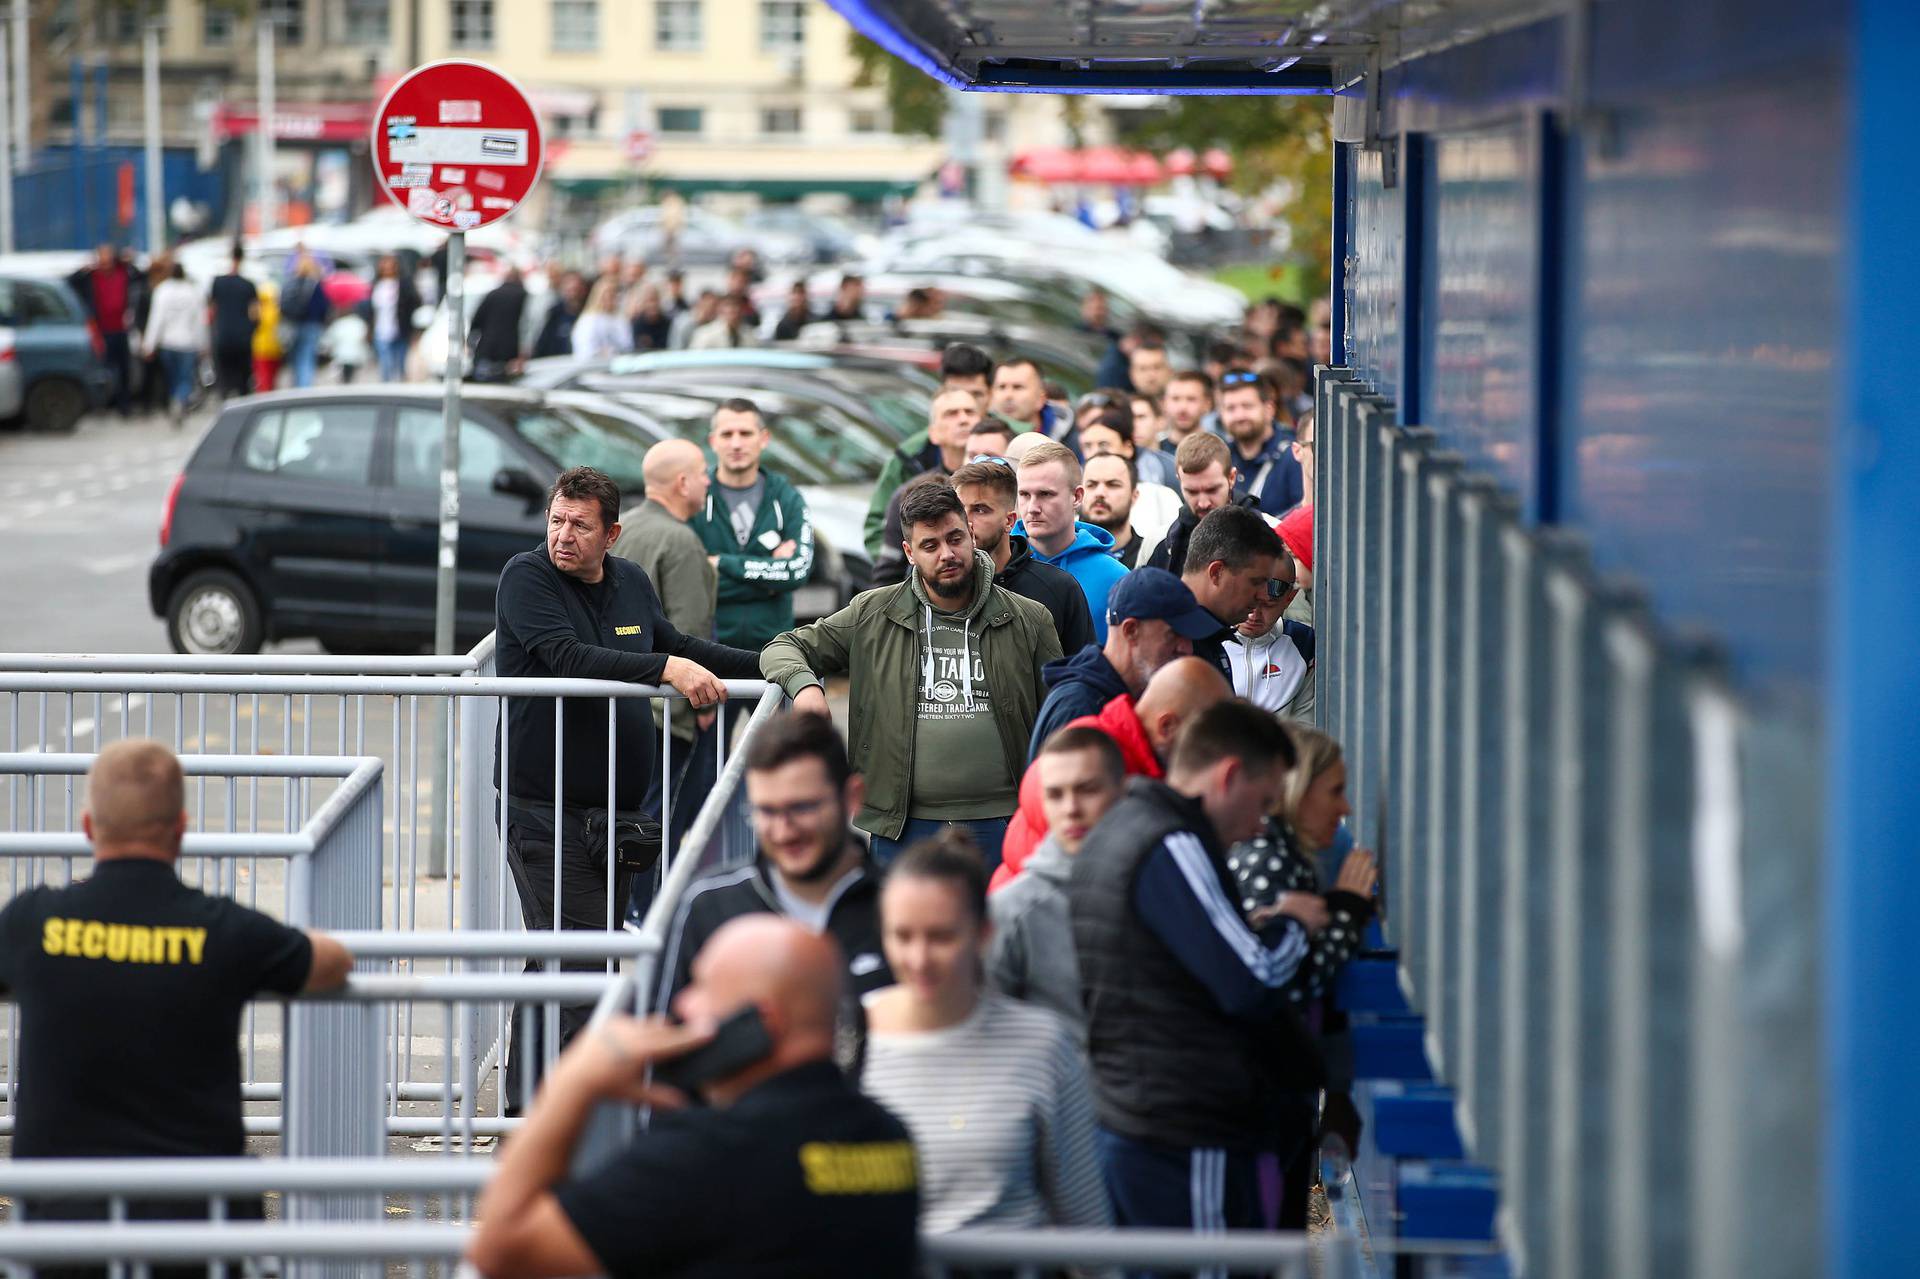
636, 838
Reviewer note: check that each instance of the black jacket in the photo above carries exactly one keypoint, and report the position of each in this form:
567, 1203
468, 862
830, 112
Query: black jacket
556, 331
853, 920
1052, 588
1171, 554
495, 335
1170, 1064
547, 624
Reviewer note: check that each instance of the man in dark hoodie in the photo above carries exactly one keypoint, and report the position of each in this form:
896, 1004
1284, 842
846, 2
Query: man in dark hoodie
494, 336
1207, 481
988, 491
1152, 618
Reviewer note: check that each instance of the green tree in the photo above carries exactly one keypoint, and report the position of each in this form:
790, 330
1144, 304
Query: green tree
1275, 141
916, 101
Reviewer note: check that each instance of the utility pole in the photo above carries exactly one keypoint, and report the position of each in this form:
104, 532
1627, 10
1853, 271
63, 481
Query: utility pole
22, 111
263, 140
6, 150
156, 181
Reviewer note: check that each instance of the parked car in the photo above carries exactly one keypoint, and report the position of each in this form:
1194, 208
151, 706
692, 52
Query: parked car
316, 513
704, 239
51, 372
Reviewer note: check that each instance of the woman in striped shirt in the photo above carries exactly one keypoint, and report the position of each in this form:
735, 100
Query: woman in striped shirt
993, 1090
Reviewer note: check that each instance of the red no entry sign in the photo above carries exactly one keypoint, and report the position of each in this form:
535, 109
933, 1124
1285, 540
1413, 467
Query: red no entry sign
457, 144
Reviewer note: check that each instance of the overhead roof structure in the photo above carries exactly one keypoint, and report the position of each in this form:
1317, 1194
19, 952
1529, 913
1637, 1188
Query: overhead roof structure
1169, 46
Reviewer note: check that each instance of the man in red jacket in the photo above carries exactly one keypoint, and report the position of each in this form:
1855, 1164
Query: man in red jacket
1143, 730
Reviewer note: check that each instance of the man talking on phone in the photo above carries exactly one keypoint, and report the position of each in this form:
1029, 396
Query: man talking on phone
830, 1176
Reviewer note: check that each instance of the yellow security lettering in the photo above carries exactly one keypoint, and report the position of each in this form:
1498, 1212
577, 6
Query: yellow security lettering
93, 939
117, 942
626, 630
196, 943
72, 946
865, 1168
50, 939
139, 944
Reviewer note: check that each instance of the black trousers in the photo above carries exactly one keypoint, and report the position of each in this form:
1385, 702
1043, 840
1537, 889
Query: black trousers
118, 353
233, 369
583, 906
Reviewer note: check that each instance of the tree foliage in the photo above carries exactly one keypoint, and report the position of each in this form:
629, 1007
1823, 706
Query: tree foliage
916, 101
1280, 144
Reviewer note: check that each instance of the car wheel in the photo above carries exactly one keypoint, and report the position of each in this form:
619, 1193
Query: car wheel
214, 612
55, 405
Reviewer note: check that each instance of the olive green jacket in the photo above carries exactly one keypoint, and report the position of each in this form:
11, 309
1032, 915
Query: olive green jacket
876, 641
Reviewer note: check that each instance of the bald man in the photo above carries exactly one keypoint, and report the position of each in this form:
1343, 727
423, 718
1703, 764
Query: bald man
658, 535
1143, 729
131, 986
787, 1170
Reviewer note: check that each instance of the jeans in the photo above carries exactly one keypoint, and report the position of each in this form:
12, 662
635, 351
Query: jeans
392, 354
987, 833
119, 357
306, 352
181, 368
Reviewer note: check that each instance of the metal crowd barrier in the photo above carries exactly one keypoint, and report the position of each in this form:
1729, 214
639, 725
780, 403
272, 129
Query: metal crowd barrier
444, 1002
1599, 864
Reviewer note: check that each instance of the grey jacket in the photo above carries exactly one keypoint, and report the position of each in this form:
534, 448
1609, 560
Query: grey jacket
676, 559
1031, 956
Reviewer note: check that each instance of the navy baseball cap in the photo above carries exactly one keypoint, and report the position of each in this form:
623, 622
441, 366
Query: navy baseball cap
1155, 593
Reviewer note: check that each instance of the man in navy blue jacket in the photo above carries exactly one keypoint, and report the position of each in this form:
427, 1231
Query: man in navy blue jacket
1263, 462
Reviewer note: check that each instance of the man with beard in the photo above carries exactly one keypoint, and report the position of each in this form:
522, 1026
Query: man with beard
1208, 482
801, 791
1264, 466
988, 491
944, 683
1106, 499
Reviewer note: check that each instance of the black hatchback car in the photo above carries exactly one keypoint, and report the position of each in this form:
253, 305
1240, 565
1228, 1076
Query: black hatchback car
316, 513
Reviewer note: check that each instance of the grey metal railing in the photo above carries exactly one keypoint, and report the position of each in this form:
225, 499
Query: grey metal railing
1583, 831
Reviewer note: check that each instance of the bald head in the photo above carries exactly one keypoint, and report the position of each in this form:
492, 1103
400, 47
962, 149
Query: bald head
792, 975
675, 472
1177, 691
1023, 443
136, 802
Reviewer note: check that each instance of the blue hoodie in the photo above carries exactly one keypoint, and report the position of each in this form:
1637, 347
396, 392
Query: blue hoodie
1089, 557
1079, 684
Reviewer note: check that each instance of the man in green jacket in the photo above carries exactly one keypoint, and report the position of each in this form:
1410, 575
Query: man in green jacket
945, 683
754, 525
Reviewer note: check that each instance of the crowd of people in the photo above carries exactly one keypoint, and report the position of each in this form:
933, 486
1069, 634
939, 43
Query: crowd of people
1079, 854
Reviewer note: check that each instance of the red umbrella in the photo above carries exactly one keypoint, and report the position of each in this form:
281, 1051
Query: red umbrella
345, 289
1180, 162
1047, 164
1216, 162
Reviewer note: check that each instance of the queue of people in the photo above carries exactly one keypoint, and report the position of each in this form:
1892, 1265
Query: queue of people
1081, 862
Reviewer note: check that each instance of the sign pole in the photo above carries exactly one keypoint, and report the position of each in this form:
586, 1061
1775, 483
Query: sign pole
446, 580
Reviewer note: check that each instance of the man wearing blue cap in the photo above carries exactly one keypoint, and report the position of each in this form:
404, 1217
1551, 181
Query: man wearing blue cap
1152, 618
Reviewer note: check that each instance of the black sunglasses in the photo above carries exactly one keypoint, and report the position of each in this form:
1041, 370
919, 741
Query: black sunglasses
1278, 588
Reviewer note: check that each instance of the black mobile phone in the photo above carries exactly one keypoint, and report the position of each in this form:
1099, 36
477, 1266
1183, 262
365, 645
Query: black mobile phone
737, 1043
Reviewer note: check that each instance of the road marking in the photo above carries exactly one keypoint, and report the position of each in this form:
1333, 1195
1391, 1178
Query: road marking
114, 564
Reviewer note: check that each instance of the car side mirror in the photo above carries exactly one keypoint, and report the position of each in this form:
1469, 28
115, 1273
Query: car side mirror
515, 482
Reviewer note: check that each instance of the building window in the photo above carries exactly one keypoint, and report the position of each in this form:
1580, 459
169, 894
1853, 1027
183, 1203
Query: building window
216, 26
865, 120
783, 26
472, 25
368, 22
780, 120
681, 119
677, 25
576, 26
124, 24
568, 125
289, 18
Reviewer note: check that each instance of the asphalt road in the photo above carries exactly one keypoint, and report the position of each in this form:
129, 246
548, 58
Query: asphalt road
79, 524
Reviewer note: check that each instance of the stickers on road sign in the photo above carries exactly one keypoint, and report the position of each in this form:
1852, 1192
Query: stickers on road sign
456, 176
460, 146
494, 202
402, 181
420, 201
489, 180
459, 111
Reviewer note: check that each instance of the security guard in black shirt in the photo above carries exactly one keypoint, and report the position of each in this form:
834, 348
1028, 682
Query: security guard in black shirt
131, 985
788, 1171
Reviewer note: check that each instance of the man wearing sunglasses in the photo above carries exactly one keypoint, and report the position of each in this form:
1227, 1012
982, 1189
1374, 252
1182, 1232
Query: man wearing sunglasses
1270, 655
1266, 468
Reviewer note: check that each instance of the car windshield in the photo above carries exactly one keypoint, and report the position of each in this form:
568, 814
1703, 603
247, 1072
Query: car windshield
897, 406
580, 437
809, 444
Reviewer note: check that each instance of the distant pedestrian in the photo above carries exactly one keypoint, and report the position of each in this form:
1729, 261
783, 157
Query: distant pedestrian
390, 309
1049, 488
755, 525
106, 290
154, 391
304, 304
233, 310
600, 333
650, 321
556, 329
494, 337
176, 332
797, 316
730, 327
347, 345
267, 348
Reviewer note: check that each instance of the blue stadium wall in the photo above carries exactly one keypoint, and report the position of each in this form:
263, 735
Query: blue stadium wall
1651, 268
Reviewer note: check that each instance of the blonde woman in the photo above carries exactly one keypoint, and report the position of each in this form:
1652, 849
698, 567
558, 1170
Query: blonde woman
601, 331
